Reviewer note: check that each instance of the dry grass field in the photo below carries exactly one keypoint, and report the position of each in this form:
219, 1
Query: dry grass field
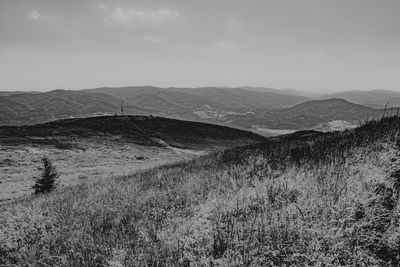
87, 160
88, 149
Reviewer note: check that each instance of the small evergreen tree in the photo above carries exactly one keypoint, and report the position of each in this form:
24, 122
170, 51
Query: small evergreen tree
47, 180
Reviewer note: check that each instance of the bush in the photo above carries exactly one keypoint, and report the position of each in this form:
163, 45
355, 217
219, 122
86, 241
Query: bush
47, 180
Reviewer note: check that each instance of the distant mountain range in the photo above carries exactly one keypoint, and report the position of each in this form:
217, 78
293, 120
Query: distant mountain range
221, 98
245, 107
30, 108
377, 98
306, 115
374, 98
282, 91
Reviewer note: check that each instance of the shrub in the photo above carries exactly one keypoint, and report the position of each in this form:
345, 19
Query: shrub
47, 180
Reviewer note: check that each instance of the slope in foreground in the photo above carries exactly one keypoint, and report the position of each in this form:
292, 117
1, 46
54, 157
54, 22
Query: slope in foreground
308, 199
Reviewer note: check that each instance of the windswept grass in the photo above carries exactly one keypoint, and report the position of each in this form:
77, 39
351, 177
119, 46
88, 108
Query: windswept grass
307, 199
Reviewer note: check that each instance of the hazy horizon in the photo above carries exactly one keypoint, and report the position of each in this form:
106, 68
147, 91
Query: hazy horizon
293, 90
318, 46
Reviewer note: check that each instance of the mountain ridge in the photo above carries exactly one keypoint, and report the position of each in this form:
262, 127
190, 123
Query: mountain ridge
307, 115
30, 108
373, 98
236, 107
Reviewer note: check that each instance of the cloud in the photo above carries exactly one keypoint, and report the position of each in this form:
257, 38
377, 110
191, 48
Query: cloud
44, 18
232, 22
234, 25
154, 39
103, 7
127, 16
316, 56
34, 15
226, 47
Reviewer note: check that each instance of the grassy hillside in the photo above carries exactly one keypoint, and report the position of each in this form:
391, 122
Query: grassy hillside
308, 199
142, 130
89, 149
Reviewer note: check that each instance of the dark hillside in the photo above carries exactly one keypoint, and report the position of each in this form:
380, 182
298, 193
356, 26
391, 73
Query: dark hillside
145, 130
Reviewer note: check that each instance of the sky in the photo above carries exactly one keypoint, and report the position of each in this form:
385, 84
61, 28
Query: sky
310, 45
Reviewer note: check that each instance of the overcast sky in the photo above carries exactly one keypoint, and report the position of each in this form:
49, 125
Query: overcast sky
313, 45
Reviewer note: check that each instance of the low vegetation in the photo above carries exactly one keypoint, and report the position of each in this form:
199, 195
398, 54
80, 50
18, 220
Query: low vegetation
47, 181
307, 199
141, 130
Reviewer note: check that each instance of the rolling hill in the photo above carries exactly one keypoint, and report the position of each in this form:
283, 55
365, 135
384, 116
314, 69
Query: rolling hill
30, 108
89, 149
375, 98
282, 91
142, 130
238, 98
158, 100
236, 107
306, 115
219, 98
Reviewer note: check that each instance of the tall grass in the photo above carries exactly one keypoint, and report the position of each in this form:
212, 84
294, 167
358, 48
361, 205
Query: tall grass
304, 200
